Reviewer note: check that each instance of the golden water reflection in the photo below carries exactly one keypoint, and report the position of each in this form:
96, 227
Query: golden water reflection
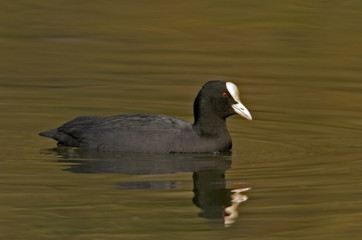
208, 173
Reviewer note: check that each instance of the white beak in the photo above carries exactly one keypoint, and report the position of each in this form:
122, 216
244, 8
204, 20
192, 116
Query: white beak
238, 107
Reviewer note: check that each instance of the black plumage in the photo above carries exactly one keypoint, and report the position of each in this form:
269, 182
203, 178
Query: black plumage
156, 132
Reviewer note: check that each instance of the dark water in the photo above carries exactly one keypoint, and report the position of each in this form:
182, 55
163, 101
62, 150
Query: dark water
298, 67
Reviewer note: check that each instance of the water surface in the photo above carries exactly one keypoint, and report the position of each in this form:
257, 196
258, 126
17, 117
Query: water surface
298, 67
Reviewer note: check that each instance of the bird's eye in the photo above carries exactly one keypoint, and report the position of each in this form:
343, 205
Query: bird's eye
225, 95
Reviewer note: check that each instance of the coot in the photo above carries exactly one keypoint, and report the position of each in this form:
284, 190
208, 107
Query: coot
216, 101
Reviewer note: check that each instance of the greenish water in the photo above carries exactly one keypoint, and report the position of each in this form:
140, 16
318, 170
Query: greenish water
298, 67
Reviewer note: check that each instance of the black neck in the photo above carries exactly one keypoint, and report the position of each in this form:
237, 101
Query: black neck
207, 128
209, 123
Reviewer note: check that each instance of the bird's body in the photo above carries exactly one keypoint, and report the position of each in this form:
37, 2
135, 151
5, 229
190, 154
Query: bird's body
138, 133
156, 132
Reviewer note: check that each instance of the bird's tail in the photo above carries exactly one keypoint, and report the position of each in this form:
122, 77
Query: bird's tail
50, 133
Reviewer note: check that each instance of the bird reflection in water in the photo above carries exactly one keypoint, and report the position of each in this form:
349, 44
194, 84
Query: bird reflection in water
210, 192
236, 199
213, 198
